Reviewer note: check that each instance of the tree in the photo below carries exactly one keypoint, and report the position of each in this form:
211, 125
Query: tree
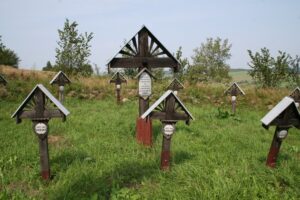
294, 71
184, 63
73, 50
7, 56
268, 71
209, 61
48, 67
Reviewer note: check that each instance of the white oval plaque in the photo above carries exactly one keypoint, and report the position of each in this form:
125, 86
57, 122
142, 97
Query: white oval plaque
145, 85
40, 128
282, 134
169, 129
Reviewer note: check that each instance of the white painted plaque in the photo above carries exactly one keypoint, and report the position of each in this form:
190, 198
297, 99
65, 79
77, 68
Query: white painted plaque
40, 128
145, 85
169, 129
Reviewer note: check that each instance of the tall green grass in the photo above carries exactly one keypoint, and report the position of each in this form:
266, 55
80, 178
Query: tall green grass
94, 155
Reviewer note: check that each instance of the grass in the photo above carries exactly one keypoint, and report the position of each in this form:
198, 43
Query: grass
94, 155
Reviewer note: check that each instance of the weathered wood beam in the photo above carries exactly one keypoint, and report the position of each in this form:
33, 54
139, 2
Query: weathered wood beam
137, 62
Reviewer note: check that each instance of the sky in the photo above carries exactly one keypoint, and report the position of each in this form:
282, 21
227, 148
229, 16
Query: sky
30, 27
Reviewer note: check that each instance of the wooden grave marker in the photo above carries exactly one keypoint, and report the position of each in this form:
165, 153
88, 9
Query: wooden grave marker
234, 90
40, 106
175, 86
2, 80
169, 110
118, 79
144, 50
284, 116
296, 96
61, 80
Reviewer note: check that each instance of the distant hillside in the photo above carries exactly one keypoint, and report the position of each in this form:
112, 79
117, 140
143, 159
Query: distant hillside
240, 75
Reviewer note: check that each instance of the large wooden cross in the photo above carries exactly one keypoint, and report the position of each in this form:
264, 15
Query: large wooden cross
284, 116
144, 50
169, 110
40, 106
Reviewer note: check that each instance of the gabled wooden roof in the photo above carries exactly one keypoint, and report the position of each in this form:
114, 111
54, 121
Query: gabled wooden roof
157, 55
118, 75
233, 87
175, 84
60, 76
145, 70
272, 117
161, 100
296, 94
47, 94
2, 80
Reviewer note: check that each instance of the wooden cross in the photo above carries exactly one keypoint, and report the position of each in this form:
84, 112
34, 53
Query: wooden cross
61, 80
40, 106
169, 110
144, 50
2, 80
175, 86
296, 96
118, 79
284, 116
234, 90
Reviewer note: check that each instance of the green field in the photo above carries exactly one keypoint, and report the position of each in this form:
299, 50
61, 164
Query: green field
94, 155
240, 75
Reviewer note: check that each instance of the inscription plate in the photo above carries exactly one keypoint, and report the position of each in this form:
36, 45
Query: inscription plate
169, 129
40, 128
145, 85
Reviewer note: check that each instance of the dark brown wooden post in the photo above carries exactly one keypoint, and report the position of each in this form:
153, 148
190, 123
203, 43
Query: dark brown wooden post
165, 153
168, 109
61, 80
118, 79
275, 146
40, 113
284, 115
234, 90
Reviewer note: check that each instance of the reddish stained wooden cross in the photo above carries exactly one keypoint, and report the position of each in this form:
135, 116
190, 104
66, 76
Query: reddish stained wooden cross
144, 50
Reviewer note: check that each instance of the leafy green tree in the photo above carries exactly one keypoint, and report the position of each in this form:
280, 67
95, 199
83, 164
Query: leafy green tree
294, 71
73, 49
268, 71
209, 61
8, 56
184, 63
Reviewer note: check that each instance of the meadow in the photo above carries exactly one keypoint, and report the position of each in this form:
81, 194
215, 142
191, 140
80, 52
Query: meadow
94, 154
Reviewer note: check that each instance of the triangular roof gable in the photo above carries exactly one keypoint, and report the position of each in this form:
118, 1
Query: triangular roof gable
234, 84
145, 70
56, 77
175, 82
278, 109
2, 80
161, 99
296, 92
48, 94
121, 76
133, 40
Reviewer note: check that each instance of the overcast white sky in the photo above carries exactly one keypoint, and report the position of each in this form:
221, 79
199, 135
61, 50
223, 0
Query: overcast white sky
30, 27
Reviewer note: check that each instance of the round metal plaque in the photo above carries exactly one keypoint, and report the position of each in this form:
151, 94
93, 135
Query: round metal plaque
282, 134
169, 129
233, 98
145, 85
41, 128
61, 88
